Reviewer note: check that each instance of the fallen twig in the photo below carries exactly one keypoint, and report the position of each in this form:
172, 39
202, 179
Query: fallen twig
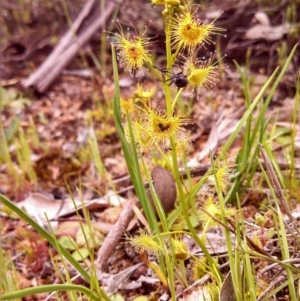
114, 235
82, 30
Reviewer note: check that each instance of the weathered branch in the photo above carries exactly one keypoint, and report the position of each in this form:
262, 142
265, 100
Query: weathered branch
82, 30
114, 235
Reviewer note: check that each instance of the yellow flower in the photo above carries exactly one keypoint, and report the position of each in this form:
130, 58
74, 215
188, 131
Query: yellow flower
199, 268
158, 2
213, 209
189, 32
142, 96
180, 249
152, 129
127, 105
143, 138
203, 73
160, 127
211, 212
132, 49
223, 174
145, 242
165, 2
172, 2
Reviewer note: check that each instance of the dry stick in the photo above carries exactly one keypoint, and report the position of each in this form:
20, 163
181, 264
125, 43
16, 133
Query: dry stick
60, 47
72, 51
114, 235
60, 58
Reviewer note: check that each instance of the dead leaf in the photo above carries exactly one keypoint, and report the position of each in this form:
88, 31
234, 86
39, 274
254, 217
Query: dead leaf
227, 290
68, 228
110, 215
201, 294
114, 282
262, 18
267, 32
38, 205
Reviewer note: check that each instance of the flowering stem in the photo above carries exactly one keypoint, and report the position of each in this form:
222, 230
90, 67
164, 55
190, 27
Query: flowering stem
183, 204
167, 90
169, 65
170, 108
176, 169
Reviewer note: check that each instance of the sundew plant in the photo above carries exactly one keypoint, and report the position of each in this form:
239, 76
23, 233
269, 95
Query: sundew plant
192, 234
159, 135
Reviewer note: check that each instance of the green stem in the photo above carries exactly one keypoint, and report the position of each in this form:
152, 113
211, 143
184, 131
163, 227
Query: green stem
176, 98
169, 65
169, 108
183, 204
205, 229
